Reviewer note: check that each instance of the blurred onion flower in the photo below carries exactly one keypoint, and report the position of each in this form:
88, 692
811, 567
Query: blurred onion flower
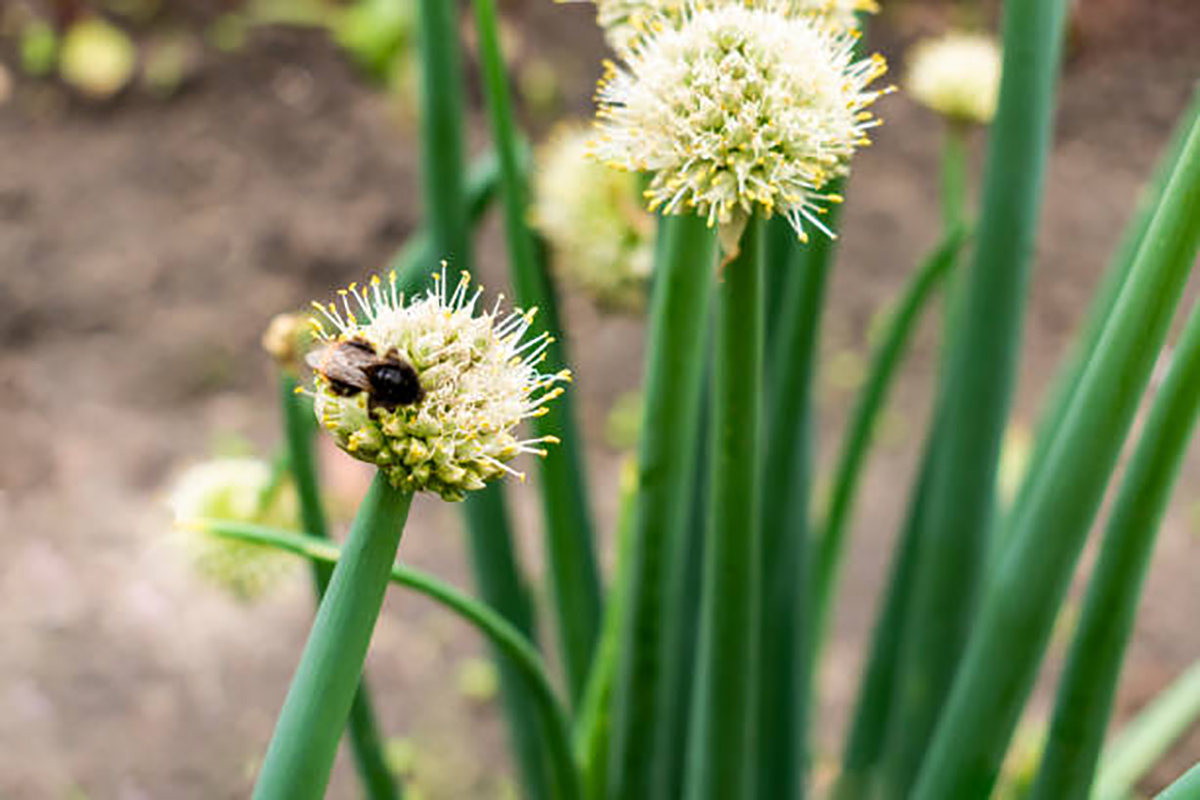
957, 75
431, 391
603, 239
738, 111
626, 21
288, 337
97, 58
237, 490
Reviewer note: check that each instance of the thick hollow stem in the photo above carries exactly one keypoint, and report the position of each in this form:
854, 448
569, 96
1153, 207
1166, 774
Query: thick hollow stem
720, 758
1067, 378
300, 757
365, 739
674, 368
506, 638
876, 695
783, 680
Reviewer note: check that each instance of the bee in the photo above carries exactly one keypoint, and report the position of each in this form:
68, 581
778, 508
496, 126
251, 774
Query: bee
353, 366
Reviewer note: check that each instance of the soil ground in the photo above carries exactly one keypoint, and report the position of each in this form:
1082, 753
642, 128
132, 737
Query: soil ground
145, 244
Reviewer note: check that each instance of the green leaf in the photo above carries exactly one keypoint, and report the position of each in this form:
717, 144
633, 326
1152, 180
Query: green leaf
1145, 739
1024, 595
1089, 682
416, 261
974, 403
574, 577
901, 324
867, 737
593, 726
1067, 379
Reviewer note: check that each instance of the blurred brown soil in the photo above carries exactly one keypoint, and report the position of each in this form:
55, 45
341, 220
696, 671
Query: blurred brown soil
145, 244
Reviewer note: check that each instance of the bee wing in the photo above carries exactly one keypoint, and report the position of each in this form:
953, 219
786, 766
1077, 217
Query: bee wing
344, 364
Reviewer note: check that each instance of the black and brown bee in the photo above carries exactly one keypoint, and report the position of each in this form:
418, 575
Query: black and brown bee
353, 366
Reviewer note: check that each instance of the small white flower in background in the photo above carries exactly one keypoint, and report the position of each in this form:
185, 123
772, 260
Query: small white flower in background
957, 75
431, 391
97, 59
739, 111
236, 490
626, 21
592, 217
287, 338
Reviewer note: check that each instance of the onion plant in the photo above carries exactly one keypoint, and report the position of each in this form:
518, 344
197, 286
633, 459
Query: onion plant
693, 674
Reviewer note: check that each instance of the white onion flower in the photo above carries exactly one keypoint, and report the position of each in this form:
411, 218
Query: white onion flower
957, 75
235, 490
739, 111
592, 217
626, 21
431, 391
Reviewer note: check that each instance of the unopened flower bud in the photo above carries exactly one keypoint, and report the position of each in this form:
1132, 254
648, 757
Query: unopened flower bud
287, 338
957, 75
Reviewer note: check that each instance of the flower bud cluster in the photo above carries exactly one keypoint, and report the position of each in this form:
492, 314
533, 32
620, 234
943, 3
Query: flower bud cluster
739, 109
235, 490
431, 391
591, 215
957, 75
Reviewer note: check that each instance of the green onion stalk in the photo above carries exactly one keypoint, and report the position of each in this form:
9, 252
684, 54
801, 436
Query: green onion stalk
896, 337
494, 559
574, 576
1022, 598
593, 725
412, 262
783, 663
300, 756
723, 719
1142, 742
975, 399
299, 427
1102, 305
685, 576
867, 737
1089, 683
674, 369
516, 647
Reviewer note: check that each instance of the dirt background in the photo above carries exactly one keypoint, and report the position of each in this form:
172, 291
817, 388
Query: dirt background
144, 244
